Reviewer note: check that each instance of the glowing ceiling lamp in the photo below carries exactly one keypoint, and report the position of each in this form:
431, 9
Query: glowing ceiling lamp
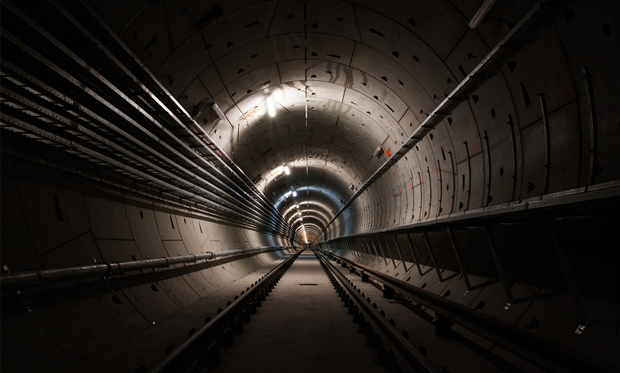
218, 111
271, 107
294, 194
287, 171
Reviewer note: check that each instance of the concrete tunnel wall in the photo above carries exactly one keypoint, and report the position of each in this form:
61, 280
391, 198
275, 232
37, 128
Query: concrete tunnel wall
54, 219
373, 73
376, 69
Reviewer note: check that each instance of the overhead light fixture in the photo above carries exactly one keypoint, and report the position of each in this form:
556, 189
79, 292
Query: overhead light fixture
287, 171
484, 9
378, 152
294, 194
271, 107
218, 111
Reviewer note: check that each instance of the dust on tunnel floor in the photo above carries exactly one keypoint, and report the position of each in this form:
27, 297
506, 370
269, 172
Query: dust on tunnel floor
301, 328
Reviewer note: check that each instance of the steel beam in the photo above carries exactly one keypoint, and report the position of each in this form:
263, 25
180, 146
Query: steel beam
387, 247
500, 267
402, 260
415, 257
432, 254
459, 259
569, 276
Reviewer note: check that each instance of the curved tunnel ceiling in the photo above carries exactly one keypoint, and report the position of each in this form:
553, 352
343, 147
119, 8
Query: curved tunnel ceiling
348, 77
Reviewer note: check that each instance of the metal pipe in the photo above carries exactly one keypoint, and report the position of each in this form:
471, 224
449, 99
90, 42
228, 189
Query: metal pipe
48, 276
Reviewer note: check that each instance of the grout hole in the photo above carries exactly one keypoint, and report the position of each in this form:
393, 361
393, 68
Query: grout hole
376, 32
251, 24
512, 66
568, 14
530, 187
526, 97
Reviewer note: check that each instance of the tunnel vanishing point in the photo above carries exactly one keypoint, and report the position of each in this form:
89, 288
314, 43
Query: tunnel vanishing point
310, 186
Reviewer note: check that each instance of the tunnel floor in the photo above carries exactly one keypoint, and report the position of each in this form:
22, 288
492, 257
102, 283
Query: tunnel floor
302, 327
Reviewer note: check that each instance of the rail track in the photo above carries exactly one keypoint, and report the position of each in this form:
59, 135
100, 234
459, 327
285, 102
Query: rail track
329, 313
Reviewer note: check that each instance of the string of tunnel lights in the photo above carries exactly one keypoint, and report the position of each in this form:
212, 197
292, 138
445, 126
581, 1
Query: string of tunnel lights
271, 110
306, 114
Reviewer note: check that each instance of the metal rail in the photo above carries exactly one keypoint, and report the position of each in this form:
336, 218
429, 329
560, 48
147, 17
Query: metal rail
188, 352
21, 280
413, 355
556, 204
459, 95
541, 352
